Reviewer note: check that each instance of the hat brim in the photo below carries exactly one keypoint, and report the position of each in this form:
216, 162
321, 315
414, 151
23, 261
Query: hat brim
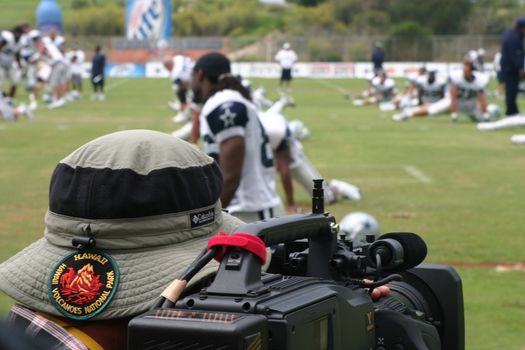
143, 273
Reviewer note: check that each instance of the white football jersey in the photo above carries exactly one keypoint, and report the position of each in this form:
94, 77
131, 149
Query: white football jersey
468, 90
75, 66
276, 127
431, 92
286, 58
385, 89
53, 53
227, 114
8, 51
182, 67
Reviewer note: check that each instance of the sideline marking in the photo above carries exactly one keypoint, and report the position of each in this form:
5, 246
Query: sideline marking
418, 174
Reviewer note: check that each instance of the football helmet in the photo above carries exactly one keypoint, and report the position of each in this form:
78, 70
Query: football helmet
357, 225
298, 129
494, 111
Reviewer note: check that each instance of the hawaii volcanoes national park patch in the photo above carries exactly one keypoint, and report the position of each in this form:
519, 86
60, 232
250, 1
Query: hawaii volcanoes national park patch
83, 283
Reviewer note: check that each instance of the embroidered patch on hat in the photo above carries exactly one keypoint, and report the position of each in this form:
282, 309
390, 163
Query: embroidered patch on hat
202, 218
83, 283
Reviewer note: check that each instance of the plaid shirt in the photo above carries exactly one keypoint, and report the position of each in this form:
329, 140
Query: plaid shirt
47, 332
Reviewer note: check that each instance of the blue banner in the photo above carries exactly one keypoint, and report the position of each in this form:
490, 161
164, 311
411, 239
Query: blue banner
148, 19
125, 70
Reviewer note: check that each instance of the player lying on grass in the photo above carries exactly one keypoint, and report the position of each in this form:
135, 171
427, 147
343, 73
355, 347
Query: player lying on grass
10, 112
509, 122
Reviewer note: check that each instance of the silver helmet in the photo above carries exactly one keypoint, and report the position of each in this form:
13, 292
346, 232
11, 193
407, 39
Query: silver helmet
357, 225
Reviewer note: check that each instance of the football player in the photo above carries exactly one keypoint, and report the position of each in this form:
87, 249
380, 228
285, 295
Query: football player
59, 71
292, 163
467, 93
232, 134
384, 91
10, 112
10, 58
180, 68
431, 90
31, 57
75, 58
509, 122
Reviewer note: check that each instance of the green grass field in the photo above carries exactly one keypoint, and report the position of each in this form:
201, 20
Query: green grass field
469, 207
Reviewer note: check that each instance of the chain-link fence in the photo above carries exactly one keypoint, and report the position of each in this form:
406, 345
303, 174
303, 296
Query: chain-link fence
325, 48
348, 48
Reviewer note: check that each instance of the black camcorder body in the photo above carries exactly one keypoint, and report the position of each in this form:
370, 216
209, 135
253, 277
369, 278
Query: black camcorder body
316, 294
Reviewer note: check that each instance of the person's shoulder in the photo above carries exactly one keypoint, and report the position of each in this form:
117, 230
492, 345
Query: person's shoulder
441, 80
419, 79
481, 79
224, 111
220, 98
456, 77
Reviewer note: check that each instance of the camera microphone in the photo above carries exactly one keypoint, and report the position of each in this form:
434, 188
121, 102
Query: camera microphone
398, 251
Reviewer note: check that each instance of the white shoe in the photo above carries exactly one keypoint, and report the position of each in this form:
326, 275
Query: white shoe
346, 190
485, 126
101, 97
25, 111
518, 139
175, 105
58, 104
182, 117
400, 117
358, 103
33, 106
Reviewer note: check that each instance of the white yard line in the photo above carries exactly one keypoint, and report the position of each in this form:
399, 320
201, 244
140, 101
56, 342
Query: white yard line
332, 86
116, 84
418, 174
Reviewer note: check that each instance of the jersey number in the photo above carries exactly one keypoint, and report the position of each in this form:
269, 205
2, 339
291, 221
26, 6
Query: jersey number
266, 151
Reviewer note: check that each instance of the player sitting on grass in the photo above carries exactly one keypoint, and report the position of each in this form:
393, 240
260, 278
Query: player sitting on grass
467, 93
384, 91
431, 93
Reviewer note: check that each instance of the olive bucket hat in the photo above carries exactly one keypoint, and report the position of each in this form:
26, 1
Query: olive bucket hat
128, 212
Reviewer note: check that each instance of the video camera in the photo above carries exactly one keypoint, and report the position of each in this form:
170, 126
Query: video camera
316, 294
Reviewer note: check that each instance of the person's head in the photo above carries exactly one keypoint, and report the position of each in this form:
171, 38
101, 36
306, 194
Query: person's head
98, 48
52, 33
26, 27
18, 31
468, 68
378, 45
431, 76
212, 73
382, 76
34, 35
286, 46
168, 63
422, 70
520, 25
481, 52
148, 200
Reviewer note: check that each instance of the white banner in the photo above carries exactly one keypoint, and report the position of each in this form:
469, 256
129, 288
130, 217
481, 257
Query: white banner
324, 70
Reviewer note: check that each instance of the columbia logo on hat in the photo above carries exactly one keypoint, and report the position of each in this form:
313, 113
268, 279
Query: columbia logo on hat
202, 217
